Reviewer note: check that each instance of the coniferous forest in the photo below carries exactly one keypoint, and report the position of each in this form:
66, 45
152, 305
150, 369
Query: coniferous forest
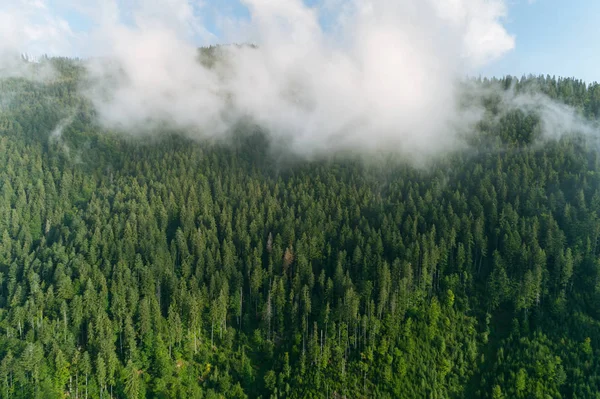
164, 267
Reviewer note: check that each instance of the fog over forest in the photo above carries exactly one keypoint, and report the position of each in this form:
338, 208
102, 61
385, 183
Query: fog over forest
294, 200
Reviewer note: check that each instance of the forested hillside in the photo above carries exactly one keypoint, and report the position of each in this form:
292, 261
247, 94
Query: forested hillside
170, 268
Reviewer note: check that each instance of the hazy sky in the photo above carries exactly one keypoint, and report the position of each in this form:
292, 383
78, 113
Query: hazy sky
556, 37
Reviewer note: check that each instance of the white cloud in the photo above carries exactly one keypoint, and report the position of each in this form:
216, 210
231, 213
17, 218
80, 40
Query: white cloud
29, 26
381, 76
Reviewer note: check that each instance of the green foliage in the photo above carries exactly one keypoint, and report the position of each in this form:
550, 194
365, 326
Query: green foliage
166, 268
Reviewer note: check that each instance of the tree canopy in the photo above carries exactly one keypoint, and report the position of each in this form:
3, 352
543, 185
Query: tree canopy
168, 268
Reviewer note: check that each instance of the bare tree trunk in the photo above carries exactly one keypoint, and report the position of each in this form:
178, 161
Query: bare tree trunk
321, 342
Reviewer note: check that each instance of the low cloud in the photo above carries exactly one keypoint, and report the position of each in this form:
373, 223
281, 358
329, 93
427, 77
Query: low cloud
358, 75
382, 75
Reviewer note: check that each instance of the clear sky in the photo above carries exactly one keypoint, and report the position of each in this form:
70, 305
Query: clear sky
556, 37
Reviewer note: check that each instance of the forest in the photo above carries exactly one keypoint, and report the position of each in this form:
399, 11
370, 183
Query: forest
166, 267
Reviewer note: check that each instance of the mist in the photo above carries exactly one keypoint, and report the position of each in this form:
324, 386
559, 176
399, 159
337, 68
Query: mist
358, 76
556, 119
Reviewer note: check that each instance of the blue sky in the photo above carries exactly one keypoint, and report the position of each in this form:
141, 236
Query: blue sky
555, 37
